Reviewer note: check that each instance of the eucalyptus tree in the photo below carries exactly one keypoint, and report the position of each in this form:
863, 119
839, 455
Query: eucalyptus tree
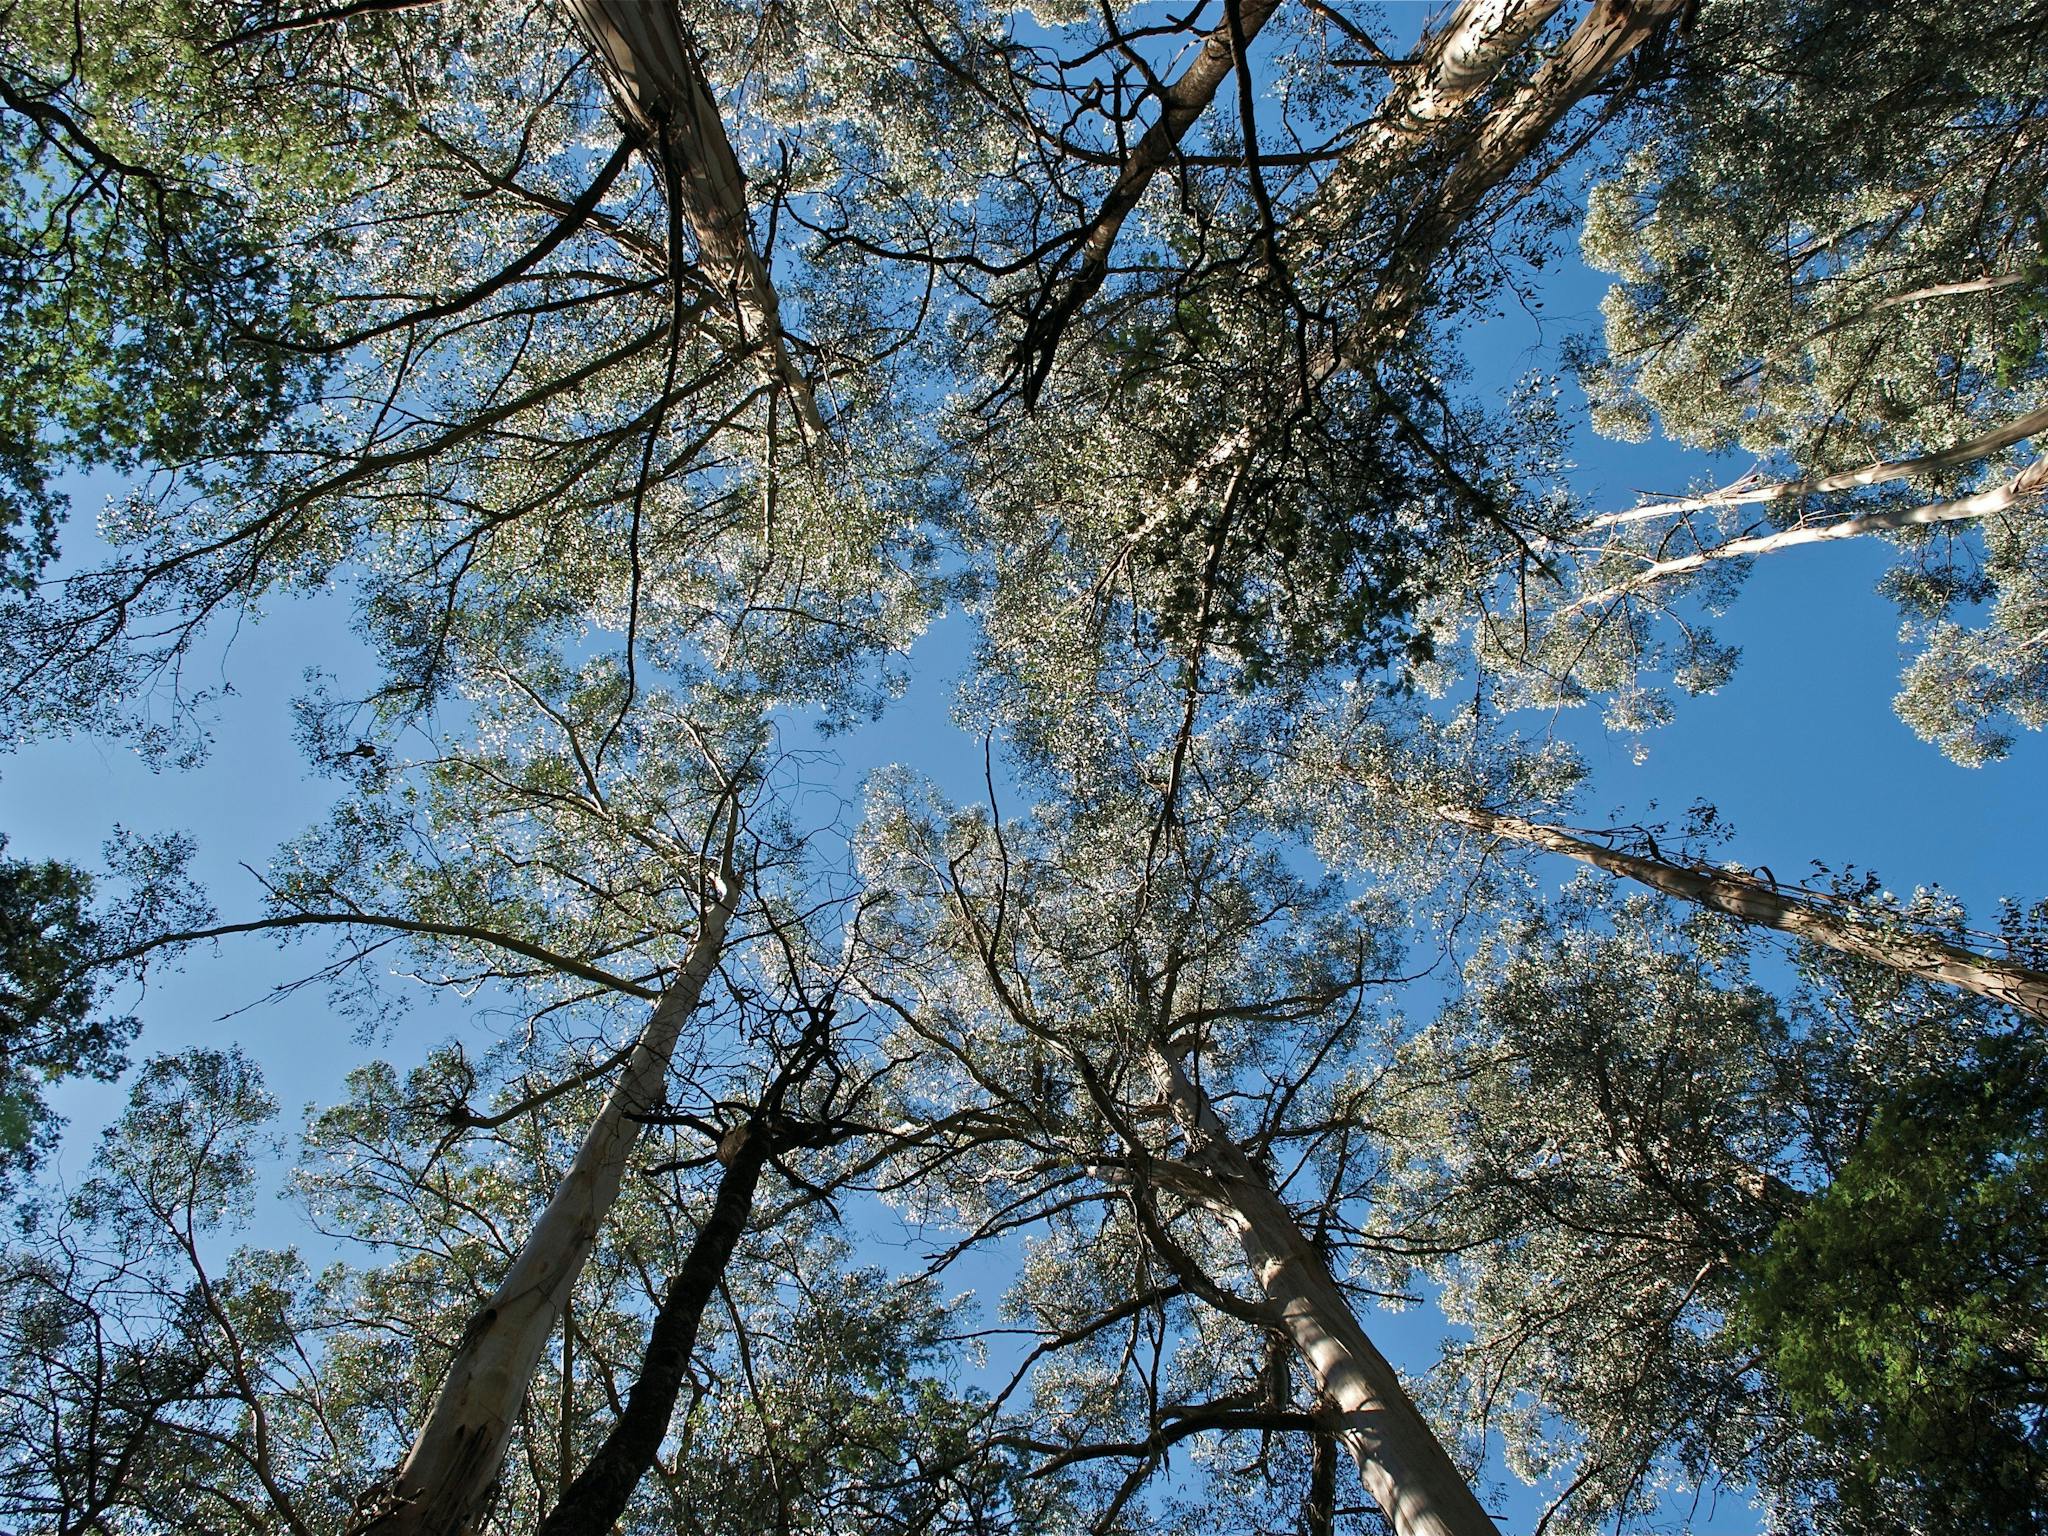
1619, 1155
54, 1022
606, 385
1161, 1028
575, 437
584, 893
1828, 248
145, 316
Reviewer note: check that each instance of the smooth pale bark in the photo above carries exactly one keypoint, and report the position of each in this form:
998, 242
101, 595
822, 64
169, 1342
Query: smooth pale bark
454, 1460
1505, 137
1753, 495
2027, 485
1402, 1464
654, 76
592, 1504
1762, 902
1453, 65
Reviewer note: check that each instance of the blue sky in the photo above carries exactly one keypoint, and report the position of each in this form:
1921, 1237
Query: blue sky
1800, 752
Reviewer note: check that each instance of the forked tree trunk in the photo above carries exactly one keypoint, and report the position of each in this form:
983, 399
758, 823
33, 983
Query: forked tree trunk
1504, 138
1402, 1464
1762, 902
1459, 61
454, 1461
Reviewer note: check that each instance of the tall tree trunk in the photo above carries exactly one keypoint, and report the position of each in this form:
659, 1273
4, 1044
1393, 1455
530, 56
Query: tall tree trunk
651, 65
455, 1458
1502, 139
1744, 494
1402, 1464
1761, 902
2028, 485
1608, 33
1452, 67
592, 1504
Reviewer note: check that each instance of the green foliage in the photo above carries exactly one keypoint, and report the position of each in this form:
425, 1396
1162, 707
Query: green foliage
1900, 1309
49, 997
146, 315
1828, 245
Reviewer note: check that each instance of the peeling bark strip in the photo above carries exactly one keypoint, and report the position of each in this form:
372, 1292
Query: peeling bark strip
1762, 903
651, 67
455, 1458
1401, 1462
1742, 495
592, 1504
2029, 484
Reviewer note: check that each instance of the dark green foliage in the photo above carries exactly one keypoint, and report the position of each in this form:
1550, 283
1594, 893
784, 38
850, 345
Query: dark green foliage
47, 1028
141, 305
1901, 1310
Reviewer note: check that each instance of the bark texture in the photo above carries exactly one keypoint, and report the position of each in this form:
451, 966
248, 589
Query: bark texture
1762, 902
1454, 64
2017, 430
651, 66
1509, 132
2028, 485
448, 1474
1402, 1464
593, 1503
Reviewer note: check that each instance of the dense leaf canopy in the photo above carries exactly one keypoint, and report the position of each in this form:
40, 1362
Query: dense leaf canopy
628, 387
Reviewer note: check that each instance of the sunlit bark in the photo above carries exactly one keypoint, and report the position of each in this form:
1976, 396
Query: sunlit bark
655, 78
455, 1458
1763, 902
1399, 1458
2029, 484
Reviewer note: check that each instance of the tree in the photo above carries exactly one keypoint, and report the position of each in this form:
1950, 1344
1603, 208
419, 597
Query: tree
1829, 254
1898, 1311
645, 385
48, 999
1632, 1155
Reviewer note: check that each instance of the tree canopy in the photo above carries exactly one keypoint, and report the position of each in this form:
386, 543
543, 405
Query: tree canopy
628, 387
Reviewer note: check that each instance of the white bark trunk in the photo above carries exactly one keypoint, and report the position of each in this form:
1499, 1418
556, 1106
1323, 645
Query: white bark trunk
454, 1460
1761, 902
2029, 484
1505, 137
1452, 66
655, 79
1399, 1459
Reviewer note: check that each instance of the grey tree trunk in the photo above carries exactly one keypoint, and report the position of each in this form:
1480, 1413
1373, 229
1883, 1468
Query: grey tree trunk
1762, 902
1402, 1464
447, 1475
